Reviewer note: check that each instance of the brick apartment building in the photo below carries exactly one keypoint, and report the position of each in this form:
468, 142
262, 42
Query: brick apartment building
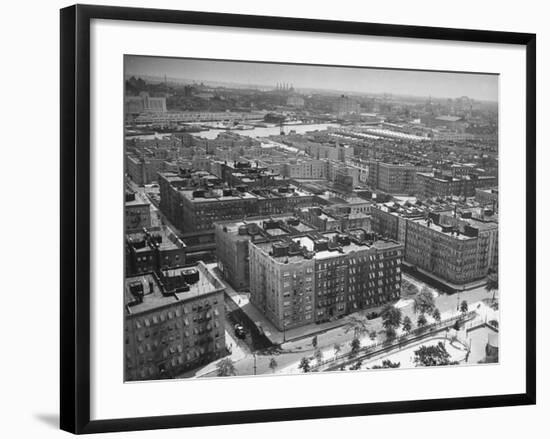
153, 249
173, 322
321, 277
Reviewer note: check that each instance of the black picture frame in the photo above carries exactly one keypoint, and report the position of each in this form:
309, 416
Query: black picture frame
75, 217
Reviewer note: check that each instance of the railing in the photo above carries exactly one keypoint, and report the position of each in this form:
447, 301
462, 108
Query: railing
377, 347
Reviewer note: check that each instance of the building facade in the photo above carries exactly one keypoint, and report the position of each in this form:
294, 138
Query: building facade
196, 209
456, 251
394, 178
137, 214
436, 184
153, 249
323, 277
173, 322
232, 238
144, 170
457, 246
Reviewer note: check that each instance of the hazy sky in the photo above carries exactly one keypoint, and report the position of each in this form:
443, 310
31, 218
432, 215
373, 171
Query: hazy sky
367, 80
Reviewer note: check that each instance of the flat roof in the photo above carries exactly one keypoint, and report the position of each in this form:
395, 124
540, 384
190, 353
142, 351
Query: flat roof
309, 243
188, 193
439, 228
232, 226
169, 241
276, 232
136, 203
153, 297
303, 227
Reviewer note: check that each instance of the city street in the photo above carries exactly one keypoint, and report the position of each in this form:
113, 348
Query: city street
289, 354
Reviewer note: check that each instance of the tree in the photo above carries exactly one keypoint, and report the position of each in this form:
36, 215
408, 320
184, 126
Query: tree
314, 341
492, 283
273, 364
356, 366
456, 325
387, 364
359, 325
436, 315
407, 324
318, 355
424, 302
337, 348
390, 333
372, 335
225, 367
435, 355
421, 322
304, 365
463, 306
391, 317
355, 345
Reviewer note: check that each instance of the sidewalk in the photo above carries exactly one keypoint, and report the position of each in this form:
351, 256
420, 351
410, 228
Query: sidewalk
276, 337
432, 279
237, 353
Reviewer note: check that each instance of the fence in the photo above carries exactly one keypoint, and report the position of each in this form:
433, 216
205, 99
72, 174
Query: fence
386, 345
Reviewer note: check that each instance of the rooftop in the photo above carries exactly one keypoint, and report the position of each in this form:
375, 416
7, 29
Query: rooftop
163, 237
152, 289
324, 246
152, 294
442, 229
264, 226
215, 195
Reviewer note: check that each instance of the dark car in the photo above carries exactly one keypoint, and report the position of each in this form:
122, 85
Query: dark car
240, 332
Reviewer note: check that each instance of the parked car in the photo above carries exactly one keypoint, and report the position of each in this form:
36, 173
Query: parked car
240, 332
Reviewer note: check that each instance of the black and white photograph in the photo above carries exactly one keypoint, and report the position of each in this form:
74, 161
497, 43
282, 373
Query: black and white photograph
287, 219
272, 220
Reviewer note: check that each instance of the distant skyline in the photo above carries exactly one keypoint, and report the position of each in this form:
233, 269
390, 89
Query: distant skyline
352, 79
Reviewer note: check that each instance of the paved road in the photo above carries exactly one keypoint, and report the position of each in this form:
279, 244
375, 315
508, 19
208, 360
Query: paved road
292, 352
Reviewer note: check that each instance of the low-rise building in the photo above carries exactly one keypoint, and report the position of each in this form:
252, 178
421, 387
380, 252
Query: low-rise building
144, 170
305, 168
334, 219
137, 213
488, 197
153, 249
437, 184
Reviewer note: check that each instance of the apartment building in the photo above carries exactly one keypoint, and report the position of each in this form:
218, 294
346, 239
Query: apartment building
456, 243
137, 213
153, 249
173, 322
194, 206
321, 277
232, 238
437, 184
394, 178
